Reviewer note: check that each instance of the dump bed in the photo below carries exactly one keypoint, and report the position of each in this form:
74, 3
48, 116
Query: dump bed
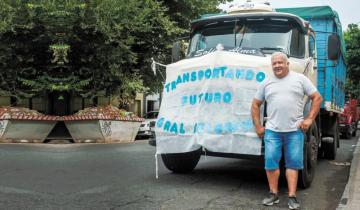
331, 75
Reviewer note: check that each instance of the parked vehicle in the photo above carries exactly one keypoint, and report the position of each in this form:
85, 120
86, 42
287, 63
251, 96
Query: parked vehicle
147, 124
152, 138
349, 119
207, 96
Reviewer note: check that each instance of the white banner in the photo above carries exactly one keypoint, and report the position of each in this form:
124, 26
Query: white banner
206, 102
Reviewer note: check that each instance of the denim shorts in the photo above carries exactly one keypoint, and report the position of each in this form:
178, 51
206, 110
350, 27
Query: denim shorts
292, 143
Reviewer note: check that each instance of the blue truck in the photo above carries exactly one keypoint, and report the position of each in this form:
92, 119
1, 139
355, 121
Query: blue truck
207, 96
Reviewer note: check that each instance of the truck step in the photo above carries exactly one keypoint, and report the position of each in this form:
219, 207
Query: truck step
327, 139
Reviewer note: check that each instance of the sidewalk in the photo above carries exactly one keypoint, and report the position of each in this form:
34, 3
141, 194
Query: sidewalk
350, 199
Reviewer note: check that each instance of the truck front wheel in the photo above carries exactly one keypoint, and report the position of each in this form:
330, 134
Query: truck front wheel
181, 162
306, 175
331, 147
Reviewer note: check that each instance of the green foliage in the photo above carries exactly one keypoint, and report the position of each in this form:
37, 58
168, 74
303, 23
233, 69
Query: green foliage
352, 38
87, 47
184, 11
60, 53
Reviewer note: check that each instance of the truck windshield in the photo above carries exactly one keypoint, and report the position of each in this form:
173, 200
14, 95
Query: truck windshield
256, 38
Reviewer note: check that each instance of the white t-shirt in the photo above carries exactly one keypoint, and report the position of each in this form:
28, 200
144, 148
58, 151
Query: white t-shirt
285, 100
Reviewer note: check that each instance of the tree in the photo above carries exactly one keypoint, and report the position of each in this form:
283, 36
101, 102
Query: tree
352, 39
85, 47
184, 11
89, 47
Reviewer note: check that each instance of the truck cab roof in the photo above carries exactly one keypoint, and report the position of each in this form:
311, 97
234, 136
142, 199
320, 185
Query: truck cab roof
253, 16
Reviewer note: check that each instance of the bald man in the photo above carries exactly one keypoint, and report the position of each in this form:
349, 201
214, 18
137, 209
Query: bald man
285, 126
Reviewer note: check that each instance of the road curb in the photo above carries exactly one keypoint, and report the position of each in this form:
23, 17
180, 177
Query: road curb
350, 199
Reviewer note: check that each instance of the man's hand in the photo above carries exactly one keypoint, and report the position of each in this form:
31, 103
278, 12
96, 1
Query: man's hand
260, 130
305, 125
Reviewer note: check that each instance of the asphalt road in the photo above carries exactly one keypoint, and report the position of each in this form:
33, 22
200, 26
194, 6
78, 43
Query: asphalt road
122, 176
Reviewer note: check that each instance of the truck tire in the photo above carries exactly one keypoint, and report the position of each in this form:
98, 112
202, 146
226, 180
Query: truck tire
354, 130
306, 175
348, 133
181, 162
330, 148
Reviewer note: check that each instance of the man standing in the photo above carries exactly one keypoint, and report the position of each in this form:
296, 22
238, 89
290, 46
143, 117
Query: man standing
284, 94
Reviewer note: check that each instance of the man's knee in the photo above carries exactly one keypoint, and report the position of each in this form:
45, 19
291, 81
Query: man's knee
294, 162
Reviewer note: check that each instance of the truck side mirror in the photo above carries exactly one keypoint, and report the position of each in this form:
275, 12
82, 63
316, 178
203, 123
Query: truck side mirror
176, 51
333, 47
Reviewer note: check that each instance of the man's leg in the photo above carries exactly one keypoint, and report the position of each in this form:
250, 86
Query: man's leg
292, 178
294, 152
273, 150
273, 179
293, 149
273, 145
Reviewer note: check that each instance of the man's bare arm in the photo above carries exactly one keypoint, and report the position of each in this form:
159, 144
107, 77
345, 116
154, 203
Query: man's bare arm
314, 110
255, 113
315, 105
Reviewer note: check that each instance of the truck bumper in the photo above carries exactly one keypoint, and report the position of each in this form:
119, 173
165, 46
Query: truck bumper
344, 127
152, 142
